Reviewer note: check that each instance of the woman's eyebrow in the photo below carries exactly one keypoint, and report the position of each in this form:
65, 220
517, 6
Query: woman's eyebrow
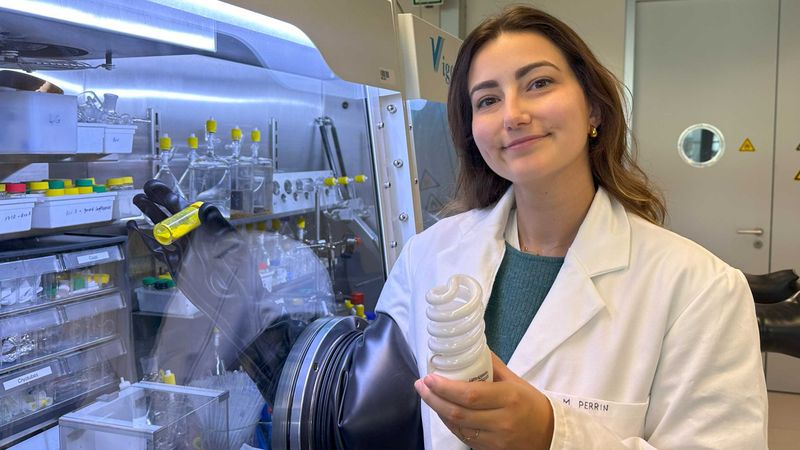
519, 73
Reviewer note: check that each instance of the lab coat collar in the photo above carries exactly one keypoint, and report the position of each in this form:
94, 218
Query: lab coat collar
602, 245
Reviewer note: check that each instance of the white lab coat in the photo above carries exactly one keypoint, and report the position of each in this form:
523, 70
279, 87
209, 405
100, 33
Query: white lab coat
646, 340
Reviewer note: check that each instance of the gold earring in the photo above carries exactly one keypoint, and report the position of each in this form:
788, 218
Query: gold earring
593, 133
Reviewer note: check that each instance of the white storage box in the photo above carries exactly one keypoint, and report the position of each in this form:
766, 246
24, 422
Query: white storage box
123, 204
16, 213
90, 137
35, 122
68, 210
165, 302
118, 138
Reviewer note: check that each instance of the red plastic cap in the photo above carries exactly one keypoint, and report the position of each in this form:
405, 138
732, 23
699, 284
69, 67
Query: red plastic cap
15, 188
357, 298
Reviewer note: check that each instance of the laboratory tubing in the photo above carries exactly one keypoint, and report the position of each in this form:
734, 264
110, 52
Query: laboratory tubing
456, 331
241, 175
164, 174
178, 225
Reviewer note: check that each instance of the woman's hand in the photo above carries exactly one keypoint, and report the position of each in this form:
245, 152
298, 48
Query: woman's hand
508, 413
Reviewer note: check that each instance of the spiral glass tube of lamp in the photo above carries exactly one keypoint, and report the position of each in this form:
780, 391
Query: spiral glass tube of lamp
456, 331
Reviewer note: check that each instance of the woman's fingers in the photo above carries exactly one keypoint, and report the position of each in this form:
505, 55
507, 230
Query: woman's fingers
475, 395
453, 414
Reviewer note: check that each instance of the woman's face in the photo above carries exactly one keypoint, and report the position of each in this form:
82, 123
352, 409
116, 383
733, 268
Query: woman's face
530, 117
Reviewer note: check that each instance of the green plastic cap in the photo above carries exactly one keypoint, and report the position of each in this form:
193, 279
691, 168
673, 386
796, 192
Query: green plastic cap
56, 184
83, 182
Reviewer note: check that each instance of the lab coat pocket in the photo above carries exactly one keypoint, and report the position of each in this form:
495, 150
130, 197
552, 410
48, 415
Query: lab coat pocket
624, 419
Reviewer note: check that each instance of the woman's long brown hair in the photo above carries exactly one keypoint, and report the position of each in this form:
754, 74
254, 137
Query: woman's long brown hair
613, 166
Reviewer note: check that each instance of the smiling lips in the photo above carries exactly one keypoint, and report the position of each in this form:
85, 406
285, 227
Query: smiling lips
521, 141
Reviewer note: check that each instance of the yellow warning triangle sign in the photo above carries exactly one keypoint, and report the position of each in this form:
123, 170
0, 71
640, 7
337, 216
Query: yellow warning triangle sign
797, 177
747, 146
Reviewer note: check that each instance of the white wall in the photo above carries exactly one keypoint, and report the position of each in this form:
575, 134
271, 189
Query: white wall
601, 23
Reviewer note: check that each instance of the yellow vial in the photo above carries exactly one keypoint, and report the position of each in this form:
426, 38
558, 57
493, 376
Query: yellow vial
178, 225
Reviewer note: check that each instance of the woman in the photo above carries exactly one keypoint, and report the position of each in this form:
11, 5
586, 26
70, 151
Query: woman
611, 331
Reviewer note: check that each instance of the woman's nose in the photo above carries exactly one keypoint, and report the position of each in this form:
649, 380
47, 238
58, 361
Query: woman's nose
514, 114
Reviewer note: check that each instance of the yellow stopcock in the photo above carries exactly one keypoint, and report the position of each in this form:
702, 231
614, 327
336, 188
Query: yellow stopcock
211, 125
165, 143
178, 225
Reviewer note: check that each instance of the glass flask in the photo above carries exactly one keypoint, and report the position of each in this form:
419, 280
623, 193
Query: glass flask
262, 175
187, 180
164, 174
241, 170
211, 175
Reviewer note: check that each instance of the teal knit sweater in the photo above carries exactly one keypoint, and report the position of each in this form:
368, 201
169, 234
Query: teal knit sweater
522, 282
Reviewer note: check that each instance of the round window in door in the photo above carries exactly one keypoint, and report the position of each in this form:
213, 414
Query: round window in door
701, 145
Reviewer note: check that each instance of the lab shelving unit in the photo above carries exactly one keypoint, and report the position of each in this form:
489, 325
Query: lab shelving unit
64, 327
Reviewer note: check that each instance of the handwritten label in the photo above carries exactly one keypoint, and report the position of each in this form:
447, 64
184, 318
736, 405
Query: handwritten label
86, 210
27, 378
83, 259
13, 216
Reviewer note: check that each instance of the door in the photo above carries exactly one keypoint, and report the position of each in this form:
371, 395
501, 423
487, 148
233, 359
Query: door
710, 62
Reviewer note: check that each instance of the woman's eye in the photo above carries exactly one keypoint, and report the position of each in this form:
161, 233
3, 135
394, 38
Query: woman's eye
486, 101
540, 83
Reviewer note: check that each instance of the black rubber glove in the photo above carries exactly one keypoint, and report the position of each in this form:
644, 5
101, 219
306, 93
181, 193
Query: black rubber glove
380, 407
779, 326
212, 266
773, 287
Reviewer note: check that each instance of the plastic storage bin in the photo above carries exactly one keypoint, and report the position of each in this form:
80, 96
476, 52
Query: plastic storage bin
16, 214
118, 138
91, 137
165, 302
63, 211
149, 416
123, 204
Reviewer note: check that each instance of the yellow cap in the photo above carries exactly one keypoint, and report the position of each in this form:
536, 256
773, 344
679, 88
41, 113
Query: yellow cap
54, 193
71, 191
114, 182
301, 223
360, 178
276, 224
343, 180
165, 276
127, 180
85, 190
93, 181
165, 143
192, 141
67, 182
169, 377
211, 125
330, 181
2, 187
38, 185
348, 304
360, 311
236, 134
255, 135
